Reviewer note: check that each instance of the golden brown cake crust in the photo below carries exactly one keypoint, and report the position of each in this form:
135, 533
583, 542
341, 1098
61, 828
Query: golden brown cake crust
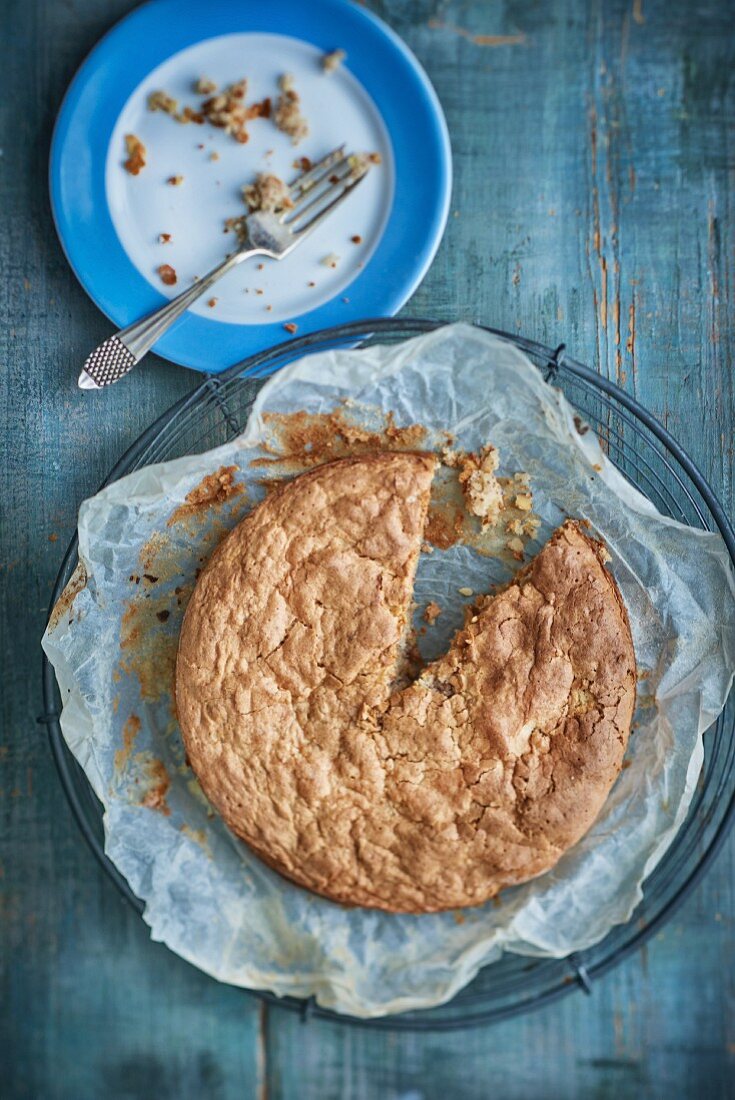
416, 798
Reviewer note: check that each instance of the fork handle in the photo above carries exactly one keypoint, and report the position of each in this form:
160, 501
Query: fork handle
140, 337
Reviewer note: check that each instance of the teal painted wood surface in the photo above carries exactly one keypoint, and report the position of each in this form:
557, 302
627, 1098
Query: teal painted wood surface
594, 152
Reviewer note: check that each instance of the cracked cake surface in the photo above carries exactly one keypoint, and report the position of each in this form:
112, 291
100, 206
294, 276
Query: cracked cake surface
412, 797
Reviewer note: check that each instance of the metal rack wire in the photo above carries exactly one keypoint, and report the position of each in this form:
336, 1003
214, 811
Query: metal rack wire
651, 459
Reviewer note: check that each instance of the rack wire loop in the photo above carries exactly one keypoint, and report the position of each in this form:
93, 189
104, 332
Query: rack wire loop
581, 974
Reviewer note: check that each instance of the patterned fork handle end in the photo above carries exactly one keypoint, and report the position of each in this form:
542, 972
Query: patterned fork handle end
107, 364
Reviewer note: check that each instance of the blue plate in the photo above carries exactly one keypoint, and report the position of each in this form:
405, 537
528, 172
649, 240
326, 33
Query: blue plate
393, 80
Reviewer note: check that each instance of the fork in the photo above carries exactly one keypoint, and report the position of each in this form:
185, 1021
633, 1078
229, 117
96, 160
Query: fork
314, 195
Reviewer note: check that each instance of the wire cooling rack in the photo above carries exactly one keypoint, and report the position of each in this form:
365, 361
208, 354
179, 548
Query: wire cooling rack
647, 455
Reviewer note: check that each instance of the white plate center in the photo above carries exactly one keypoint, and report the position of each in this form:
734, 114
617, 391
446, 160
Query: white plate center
215, 167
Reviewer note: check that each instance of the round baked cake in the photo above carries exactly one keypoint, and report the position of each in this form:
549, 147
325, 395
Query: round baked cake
408, 797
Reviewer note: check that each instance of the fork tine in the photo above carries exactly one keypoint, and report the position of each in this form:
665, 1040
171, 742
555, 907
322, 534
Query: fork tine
306, 180
319, 194
340, 198
334, 174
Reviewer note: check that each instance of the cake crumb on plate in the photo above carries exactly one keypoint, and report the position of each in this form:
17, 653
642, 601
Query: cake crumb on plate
167, 275
333, 60
137, 153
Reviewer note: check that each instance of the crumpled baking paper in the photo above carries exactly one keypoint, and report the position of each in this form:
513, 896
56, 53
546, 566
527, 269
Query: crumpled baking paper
206, 896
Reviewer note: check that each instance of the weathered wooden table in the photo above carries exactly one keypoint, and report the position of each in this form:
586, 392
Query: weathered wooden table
593, 144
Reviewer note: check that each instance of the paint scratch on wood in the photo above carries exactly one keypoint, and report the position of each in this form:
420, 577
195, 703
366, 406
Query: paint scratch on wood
491, 40
603, 294
261, 1047
630, 342
616, 323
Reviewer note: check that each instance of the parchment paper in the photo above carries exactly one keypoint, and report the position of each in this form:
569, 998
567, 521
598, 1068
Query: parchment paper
205, 894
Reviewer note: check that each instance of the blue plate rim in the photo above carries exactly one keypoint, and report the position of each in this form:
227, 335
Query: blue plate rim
194, 349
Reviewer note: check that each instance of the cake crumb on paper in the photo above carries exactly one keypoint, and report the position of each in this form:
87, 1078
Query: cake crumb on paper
482, 491
515, 545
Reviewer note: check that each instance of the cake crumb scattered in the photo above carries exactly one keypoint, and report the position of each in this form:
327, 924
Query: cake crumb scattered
515, 545
356, 239
214, 155
205, 86
137, 153
167, 275
290, 327
212, 303
432, 612
482, 492
333, 60
465, 592
227, 110
450, 457
161, 101
236, 225
304, 164
288, 117
164, 238
175, 181
360, 163
188, 114
268, 193
331, 260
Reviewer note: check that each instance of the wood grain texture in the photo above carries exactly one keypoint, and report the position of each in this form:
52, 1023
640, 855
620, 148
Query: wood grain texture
594, 160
